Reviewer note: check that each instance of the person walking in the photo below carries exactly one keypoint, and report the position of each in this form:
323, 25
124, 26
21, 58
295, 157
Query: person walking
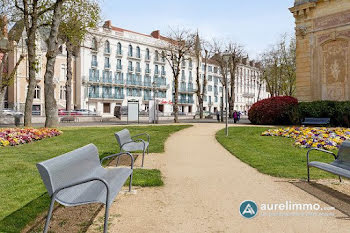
217, 115
235, 117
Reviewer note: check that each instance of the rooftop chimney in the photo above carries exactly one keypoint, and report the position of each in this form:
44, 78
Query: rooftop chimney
156, 34
108, 24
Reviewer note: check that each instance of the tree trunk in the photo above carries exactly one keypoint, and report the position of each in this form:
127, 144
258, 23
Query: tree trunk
176, 107
2, 99
198, 92
69, 78
31, 44
222, 105
52, 47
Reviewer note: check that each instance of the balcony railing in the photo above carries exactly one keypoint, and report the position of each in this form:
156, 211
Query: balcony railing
119, 53
107, 80
119, 81
119, 96
107, 95
94, 95
134, 82
147, 97
130, 69
147, 83
94, 63
119, 67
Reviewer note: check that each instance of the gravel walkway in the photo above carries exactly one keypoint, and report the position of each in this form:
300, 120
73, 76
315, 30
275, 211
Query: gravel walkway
204, 186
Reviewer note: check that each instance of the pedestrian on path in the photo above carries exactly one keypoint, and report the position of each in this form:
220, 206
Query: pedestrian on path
217, 115
235, 117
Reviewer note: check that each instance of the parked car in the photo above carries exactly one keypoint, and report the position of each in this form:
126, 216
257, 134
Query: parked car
11, 112
63, 112
86, 112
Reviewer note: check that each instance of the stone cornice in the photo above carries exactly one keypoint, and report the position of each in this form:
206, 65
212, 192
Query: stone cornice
303, 9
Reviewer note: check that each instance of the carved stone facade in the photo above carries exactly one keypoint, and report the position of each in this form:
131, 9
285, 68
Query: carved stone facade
323, 50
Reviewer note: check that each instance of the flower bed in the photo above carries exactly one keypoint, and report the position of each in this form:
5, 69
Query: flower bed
326, 138
15, 136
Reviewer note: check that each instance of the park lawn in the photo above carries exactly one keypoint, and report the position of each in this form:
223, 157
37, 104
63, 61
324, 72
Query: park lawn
22, 193
275, 156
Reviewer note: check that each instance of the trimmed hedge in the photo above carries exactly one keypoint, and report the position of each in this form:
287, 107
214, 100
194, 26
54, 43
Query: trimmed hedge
338, 111
274, 111
285, 110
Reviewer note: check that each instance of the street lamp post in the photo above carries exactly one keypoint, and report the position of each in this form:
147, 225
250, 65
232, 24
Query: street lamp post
226, 57
154, 104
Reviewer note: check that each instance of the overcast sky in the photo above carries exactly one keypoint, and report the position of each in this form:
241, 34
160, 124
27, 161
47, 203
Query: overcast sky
254, 23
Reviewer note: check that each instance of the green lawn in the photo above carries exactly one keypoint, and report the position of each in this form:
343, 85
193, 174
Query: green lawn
275, 156
22, 193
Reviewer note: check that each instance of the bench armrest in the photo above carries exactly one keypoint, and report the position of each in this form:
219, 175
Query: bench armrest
322, 150
141, 134
120, 154
83, 181
136, 140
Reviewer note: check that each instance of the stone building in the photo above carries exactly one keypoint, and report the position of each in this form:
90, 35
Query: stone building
115, 65
323, 37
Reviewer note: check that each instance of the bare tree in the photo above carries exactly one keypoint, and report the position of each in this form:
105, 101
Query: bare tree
236, 52
34, 14
80, 16
278, 67
178, 45
201, 87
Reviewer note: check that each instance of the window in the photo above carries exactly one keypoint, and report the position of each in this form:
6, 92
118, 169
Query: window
130, 53
147, 68
210, 78
107, 47
94, 44
138, 52
37, 92
156, 69
130, 66
163, 56
62, 92
156, 56
94, 60
163, 70
119, 64
63, 73
210, 88
190, 63
147, 55
106, 108
215, 70
119, 48
107, 64
210, 68
138, 67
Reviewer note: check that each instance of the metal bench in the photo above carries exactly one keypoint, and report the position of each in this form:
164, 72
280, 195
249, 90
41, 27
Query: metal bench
130, 143
316, 121
68, 119
78, 178
340, 166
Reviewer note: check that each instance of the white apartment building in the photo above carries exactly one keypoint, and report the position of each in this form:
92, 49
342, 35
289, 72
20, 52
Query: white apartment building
116, 65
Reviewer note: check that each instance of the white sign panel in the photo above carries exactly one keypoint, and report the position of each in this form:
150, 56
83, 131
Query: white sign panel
133, 111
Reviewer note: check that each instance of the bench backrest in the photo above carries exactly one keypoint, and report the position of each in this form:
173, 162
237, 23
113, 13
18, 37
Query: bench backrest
318, 120
123, 136
344, 152
69, 168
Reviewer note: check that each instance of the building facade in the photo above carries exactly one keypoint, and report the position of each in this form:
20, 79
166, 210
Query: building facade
115, 66
17, 92
323, 49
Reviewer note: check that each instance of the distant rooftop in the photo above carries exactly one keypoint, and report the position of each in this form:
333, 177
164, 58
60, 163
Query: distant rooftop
300, 2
